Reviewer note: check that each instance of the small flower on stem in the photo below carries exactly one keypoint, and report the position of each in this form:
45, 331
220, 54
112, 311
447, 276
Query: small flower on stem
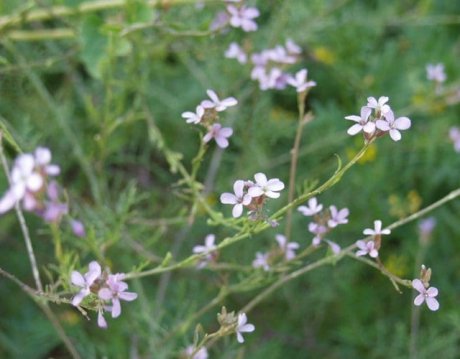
243, 327
234, 51
266, 187
239, 199
261, 261
312, 208
380, 106
116, 290
393, 126
427, 295
216, 103
337, 217
300, 81
194, 117
288, 248
220, 135
367, 248
377, 231
435, 73
243, 17
208, 249
363, 123
85, 281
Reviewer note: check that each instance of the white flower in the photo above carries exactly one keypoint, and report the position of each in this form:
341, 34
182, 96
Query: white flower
288, 248
380, 105
366, 247
243, 327
312, 208
435, 73
234, 51
216, 103
363, 123
192, 117
426, 295
239, 199
261, 261
220, 135
300, 81
393, 126
263, 186
377, 229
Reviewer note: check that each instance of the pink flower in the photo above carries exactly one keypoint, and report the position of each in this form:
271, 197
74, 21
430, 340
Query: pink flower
207, 249
264, 186
243, 17
239, 199
454, 134
116, 290
379, 106
435, 73
312, 208
393, 126
363, 123
200, 354
377, 229
425, 295
293, 48
220, 135
78, 228
43, 160
366, 247
338, 217
243, 327
300, 81
261, 261
85, 282
288, 248
234, 51
192, 117
216, 103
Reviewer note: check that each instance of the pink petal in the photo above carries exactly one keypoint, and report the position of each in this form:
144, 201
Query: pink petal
369, 127
116, 308
34, 182
7, 202
395, 135
432, 291
418, 286
272, 194
213, 96
255, 191
275, 185
101, 322
402, 123
228, 198
78, 298
77, 279
432, 303
105, 294
382, 125
222, 142
128, 296
237, 210
419, 299
260, 178
247, 328
239, 337
353, 118
226, 132
355, 129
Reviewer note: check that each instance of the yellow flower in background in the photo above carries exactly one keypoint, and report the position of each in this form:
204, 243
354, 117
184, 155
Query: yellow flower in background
324, 55
397, 265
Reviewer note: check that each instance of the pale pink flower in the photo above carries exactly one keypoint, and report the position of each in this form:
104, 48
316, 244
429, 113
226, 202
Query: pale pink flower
313, 207
362, 122
393, 126
335, 248
219, 134
202, 353
216, 103
454, 134
239, 199
243, 327
288, 248
101, 322
293, 48
116, 290
208, 249
261, 261
337, 217
377, 229
234, 51
280, 54
43, 160
243, 17
316, 228
300, 81
435, 73
264, 186
379, 105
427, 225
78, 228
194, 117
425, 295
366, 248
85, 281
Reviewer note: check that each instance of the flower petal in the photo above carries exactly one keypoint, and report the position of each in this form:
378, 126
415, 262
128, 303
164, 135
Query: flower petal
432, 303
355, 129
419, 299
418, 286
228, 198
237, 210
128, 296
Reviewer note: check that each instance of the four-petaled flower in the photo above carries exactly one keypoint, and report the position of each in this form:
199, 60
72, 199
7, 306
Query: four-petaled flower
85, 281
216, 103
377, 229
337, 217
264, 186
363, 123
261, 261
207, 249
300, 81
239, 199
427, 295
243, 17
454, 134
234, 51
116, 290
194, 117
379, 105
367, 247
435, 73
288, 248
393, 126
220, 135
243, 327
312, 208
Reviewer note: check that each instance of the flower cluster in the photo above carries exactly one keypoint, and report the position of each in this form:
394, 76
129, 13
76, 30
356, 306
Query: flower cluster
108, 288
207, 114
372, 246
324, 221
208, 250
238, 16
377, 119
252, 195
285, 249
32, 185
426, 294
454, 134
269, 64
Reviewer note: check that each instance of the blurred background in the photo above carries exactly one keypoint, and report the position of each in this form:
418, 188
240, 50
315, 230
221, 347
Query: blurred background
106, 96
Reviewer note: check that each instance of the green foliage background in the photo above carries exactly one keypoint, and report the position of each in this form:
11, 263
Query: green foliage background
109, 108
